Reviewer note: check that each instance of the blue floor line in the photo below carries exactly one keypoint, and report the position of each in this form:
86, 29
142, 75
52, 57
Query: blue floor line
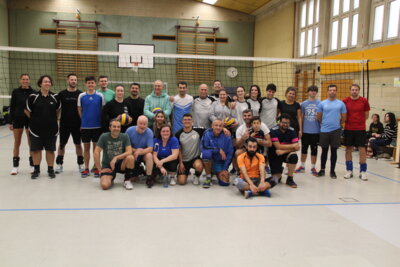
207, 207
6, 135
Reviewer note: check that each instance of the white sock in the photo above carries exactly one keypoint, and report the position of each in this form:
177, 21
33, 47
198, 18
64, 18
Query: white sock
303, 164
312, 166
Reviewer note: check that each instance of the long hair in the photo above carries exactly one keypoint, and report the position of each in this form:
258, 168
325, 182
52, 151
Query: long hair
258, 90
392, 118
226, 101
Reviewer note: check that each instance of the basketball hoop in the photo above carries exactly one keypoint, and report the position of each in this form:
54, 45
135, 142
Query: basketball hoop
135, 66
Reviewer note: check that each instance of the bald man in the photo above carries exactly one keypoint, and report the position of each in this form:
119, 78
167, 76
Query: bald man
141, 138
157, 99
201, 107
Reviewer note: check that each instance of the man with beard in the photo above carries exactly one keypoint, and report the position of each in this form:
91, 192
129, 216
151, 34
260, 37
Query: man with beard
252, 172
70, 122
135, 102
284, 146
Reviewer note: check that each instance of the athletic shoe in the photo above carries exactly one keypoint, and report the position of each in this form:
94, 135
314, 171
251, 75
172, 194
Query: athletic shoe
59, 169
266, 193
150, 182
314, 172
233, 171
363, 176
321, 173
173, 181
196, 180
85, 173
290, 182
207, 183
128, 185
14, 171
51, 174
96, 173
35, 175
32, 169
333, 175
300, 169
348, 175
248, 194
81, 168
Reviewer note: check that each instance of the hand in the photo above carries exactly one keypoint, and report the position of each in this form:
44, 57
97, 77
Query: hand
296, 146
235, 98
226, 132
300, 134
253, 134
246, 135
10, 126
136, 154
112, 163
222, 153
181, 168
163, 171
378, 135
159, 164
171, 98
253, 188
233, 105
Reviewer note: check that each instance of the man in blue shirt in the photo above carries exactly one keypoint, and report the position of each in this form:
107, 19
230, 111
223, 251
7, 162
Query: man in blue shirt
311, 128
216, 152
90, 104
331, 113
142, 143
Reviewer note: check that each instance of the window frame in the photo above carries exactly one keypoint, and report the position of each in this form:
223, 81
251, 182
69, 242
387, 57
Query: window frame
385, 22
313, 26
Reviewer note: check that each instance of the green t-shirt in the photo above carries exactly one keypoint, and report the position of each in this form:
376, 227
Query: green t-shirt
112, 147
107, 94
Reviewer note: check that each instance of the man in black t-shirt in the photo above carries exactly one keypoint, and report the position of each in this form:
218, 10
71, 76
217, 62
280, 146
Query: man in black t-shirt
70, 122
42, 109
135, 102
284, 146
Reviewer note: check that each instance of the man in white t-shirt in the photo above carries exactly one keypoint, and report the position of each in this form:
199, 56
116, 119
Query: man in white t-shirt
182, 104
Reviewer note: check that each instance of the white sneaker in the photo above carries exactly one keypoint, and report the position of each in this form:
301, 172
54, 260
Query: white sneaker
173, 181
81, 167
348, 175
32, 169
59, 169
196, 180
14, 171
128, 185
363, 176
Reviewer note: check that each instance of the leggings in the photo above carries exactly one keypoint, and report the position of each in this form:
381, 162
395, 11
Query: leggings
324, 158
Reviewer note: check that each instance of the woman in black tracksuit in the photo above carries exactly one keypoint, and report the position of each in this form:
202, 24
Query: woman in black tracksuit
18, 119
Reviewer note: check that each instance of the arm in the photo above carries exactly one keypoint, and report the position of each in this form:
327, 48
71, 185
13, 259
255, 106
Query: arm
343, 117
142, 151
80, 111
300, 120
173, 156
267, 142
228, 149
246, 177
319, 116
96, 156
27, 113
13, 104
146, 109
128, 151
366, 114
212, 112
286, 147
168, 108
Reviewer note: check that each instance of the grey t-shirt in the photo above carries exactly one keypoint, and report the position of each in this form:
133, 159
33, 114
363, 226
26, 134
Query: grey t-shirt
269, 110
201, 112
190, 143
240, 107
112, 147
254, 106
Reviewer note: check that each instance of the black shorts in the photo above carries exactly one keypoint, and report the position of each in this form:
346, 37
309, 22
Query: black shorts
38, 143
65, 132
275, 162
355, 138
116, 170
20, 123
188, 165
170, 166
91, 135
309, 140
331, 139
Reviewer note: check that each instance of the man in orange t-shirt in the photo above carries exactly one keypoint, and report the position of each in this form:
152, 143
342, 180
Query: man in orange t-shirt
252, 172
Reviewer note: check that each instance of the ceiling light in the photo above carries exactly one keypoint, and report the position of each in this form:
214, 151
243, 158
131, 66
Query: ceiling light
211, 2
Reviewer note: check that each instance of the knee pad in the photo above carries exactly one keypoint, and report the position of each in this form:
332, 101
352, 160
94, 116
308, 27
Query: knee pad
292, 158
206, 155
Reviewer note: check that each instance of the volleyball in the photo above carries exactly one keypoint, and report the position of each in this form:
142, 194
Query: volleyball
125, 119
229, 121
156, 110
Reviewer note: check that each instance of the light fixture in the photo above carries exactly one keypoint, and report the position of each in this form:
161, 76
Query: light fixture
211, 2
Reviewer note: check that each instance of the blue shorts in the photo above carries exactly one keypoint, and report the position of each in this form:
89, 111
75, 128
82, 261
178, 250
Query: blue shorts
218, 166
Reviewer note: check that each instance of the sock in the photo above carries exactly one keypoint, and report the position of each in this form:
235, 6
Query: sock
303, 164
79, 160
363, 167
312, 166
15, 161
60, 160
37, 168
31, 161
50, 169
349, 165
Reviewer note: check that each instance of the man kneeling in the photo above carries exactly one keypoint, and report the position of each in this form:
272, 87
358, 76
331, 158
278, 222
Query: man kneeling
117, 156
252, 172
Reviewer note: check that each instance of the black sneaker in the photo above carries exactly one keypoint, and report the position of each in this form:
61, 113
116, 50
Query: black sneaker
333, 175
321, 173
35, 174
51, 174
150, 182
290, 182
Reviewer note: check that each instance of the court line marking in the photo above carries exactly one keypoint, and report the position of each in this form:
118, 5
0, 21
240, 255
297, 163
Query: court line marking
206, 207
6, 135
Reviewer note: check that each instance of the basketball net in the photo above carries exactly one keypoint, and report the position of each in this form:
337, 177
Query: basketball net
135, 66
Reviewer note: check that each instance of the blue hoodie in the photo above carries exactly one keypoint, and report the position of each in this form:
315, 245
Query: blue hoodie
213, 143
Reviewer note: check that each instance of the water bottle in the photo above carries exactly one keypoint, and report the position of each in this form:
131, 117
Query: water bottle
165, 181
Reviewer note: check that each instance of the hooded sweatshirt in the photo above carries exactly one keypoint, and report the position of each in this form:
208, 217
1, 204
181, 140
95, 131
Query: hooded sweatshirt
152, 101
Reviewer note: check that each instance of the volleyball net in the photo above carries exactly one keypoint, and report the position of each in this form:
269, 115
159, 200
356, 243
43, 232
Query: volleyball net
126, 68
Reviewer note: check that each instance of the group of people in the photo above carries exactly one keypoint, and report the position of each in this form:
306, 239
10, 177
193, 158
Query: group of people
163, 137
